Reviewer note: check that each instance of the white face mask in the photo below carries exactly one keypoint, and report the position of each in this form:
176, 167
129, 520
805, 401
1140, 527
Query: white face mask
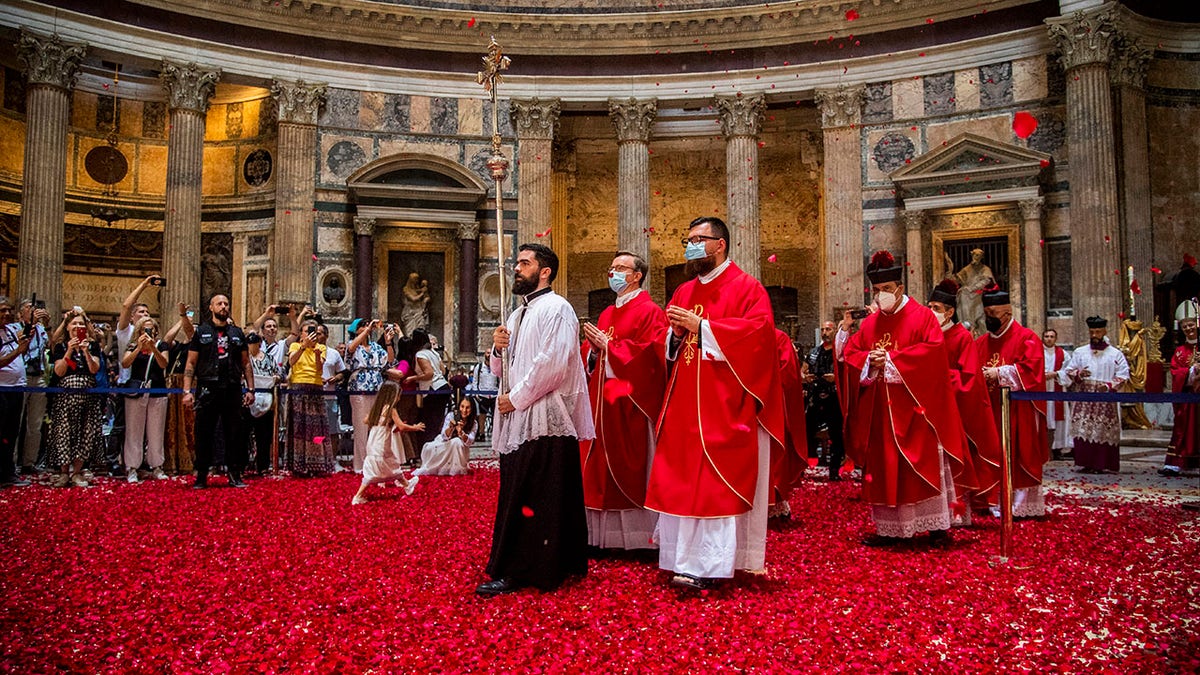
944, 318
887, 301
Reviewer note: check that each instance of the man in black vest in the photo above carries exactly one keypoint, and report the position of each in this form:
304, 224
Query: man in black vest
822, 407
218, 362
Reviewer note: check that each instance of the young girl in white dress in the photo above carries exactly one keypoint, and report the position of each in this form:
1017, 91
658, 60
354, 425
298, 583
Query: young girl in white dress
447, 454
385, 452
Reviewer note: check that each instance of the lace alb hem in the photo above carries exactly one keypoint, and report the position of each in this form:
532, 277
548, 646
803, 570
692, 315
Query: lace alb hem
1029, 502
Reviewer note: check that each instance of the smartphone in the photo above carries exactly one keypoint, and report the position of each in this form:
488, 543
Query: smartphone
159, 281
311, 330
148, 332
282, 309
81, 333
859, 313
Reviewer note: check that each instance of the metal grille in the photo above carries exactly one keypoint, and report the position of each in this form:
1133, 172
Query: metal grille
995, 255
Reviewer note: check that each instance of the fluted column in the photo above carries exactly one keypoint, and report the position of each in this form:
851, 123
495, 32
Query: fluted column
741, 122
914, 227
51, 66
364, 266
1137, 232
295, 188
188, 88
842, 263
468, 287
633, 119
1085, 43
536, 121
1035, 270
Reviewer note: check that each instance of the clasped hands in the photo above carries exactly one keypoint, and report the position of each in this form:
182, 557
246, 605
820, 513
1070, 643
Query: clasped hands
597, 337
683, 321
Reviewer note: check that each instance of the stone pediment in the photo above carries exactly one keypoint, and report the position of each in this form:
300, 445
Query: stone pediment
970, 161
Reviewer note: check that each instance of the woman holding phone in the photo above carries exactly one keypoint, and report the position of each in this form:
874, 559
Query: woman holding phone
75, 426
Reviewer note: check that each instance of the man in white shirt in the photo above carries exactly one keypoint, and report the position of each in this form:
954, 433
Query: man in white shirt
35, 376
14, 343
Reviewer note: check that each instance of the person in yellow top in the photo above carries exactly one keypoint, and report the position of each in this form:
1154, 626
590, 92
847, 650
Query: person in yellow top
310, 449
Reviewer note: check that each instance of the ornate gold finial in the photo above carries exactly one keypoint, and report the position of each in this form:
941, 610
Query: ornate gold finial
1154, 334
489, 77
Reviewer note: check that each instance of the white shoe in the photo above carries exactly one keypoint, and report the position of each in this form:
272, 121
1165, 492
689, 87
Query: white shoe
131, 476
158, 473
412, 485
78, 480
358, 500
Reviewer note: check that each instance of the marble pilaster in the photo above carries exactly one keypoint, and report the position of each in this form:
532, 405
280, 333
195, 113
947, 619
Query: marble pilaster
1032, 261
188, 88
468, 287
741, 122
364, 266
1085, 42
633, 119
914, 228
536, 121
51, 66
298, 104
1137, 231
842, 262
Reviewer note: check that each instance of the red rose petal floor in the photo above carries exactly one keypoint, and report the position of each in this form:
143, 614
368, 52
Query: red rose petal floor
287, 576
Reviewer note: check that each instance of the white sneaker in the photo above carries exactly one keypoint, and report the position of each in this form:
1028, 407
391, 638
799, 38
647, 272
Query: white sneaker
131, 476
158, 473
412, 485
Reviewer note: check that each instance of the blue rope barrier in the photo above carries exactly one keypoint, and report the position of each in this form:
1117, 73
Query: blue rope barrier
1105, 397
480, 393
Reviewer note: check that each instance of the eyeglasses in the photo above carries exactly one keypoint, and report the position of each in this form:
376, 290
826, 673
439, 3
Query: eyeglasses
696, 239
619, 268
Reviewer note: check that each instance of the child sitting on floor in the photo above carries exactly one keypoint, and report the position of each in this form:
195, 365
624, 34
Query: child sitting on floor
384, 460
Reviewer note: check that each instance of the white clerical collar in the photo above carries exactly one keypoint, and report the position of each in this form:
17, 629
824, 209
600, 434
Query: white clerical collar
708, 278
526, 299
622, 299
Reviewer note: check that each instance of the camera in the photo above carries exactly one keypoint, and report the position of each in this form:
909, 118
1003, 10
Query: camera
282, 309
859, 313
318, 318
161, 282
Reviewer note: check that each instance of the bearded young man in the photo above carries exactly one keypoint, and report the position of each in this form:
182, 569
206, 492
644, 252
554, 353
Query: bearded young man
1096, 425
723, 406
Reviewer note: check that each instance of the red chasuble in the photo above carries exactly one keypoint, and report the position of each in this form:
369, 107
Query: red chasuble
788, 459
894, 430
982, 469
1184, 450
614, 464
1020, 347
706, 458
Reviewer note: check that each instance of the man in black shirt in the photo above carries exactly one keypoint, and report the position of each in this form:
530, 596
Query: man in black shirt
823, 408
218, 362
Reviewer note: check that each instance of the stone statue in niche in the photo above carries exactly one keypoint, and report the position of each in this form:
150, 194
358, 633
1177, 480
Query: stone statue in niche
972, 279
415, 313
334, 289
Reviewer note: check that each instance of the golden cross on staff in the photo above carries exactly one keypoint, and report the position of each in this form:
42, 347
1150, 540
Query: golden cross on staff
497, 164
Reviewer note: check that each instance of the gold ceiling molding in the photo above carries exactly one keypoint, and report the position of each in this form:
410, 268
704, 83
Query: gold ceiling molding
695, 30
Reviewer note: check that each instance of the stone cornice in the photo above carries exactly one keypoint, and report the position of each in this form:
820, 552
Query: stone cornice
49, 60
188, 86
632, 119
397, 25
536, 118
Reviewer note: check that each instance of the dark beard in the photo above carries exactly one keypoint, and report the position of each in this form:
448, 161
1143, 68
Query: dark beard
523, 286
221, 316
697, 268
1098, 345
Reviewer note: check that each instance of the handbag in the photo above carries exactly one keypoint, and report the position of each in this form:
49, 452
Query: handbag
136, 388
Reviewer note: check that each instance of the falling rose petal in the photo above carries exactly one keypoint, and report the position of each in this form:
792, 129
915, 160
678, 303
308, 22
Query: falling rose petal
1135, 287
471, 23
542, 234
314, 256
867, 478
741, 427
1155, 270
318, 439
1045, 163
1107, 239
1120, 315
614, 389
813, 462
772, 258
1024, 124
851, 15
920, 410
526, 511
1042, 243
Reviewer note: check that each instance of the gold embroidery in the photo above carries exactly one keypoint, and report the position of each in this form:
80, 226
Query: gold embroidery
994, 362
884, 343
610, 332
689, 343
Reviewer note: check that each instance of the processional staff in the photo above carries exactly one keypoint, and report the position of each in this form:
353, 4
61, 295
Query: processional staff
489, 77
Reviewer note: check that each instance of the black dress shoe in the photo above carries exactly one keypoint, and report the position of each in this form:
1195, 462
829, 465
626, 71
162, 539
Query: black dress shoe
1169, 473
15, 481
880, 541
689, 581
237, 482
940, 538
496, 587
201, 483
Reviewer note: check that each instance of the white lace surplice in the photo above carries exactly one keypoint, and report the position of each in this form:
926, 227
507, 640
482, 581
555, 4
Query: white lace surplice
547, 384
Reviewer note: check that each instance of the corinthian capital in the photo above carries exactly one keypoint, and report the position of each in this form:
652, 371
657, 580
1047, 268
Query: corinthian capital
298, 102
363, 226
741, 115
1084, 38
1031, 209
913, 220
1130, 63
188, 86
49, 60
536, 118
840, 107
468, 231
632, 119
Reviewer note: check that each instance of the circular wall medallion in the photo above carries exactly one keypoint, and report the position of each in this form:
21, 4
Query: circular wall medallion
106, 165
489, 293
257, 168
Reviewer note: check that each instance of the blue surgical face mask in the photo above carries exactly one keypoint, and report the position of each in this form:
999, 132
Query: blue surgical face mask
695, 251
617, 282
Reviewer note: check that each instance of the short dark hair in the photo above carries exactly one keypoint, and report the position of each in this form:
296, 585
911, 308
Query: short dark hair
719, 228
544, 256
1050, 330
639, 263
420, 338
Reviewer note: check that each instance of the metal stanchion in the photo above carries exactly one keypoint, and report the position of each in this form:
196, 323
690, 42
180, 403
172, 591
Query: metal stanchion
1006, 491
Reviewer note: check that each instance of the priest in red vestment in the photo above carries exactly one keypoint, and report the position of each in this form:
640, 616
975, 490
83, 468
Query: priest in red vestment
902, 423
1184, 450
981, 472
723, 405
626, 379
1011, 356
788, 459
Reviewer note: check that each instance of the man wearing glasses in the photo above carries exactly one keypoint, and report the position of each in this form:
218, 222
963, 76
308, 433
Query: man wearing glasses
724, 404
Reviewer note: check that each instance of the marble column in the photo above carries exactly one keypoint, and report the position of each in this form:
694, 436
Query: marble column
188, 88
914, 227
633, 119
1032, 261
1133, 174
364, 267
536, 120
468, 288
51, 67
1085, 42
842, 262
298, 104
741, 122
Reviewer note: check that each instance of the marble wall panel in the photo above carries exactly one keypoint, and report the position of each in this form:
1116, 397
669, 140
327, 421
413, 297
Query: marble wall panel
908, 98
476, 159
131, 118
470, 116
1056, 222
342, 155
261, 159
395, 112
214, 123
13, 91
966, 90
891, 149
12, 146
443, 116
335, 240
83, 110
341, 109
1173, 74
996, 85
939, 93
504, 116
220, 170
83, 145
151, 169
1051, 134
154, 119
419, 115
1029, 79
370, 110
395, 146
877, 103
996, 127
886, 235
1174, 182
